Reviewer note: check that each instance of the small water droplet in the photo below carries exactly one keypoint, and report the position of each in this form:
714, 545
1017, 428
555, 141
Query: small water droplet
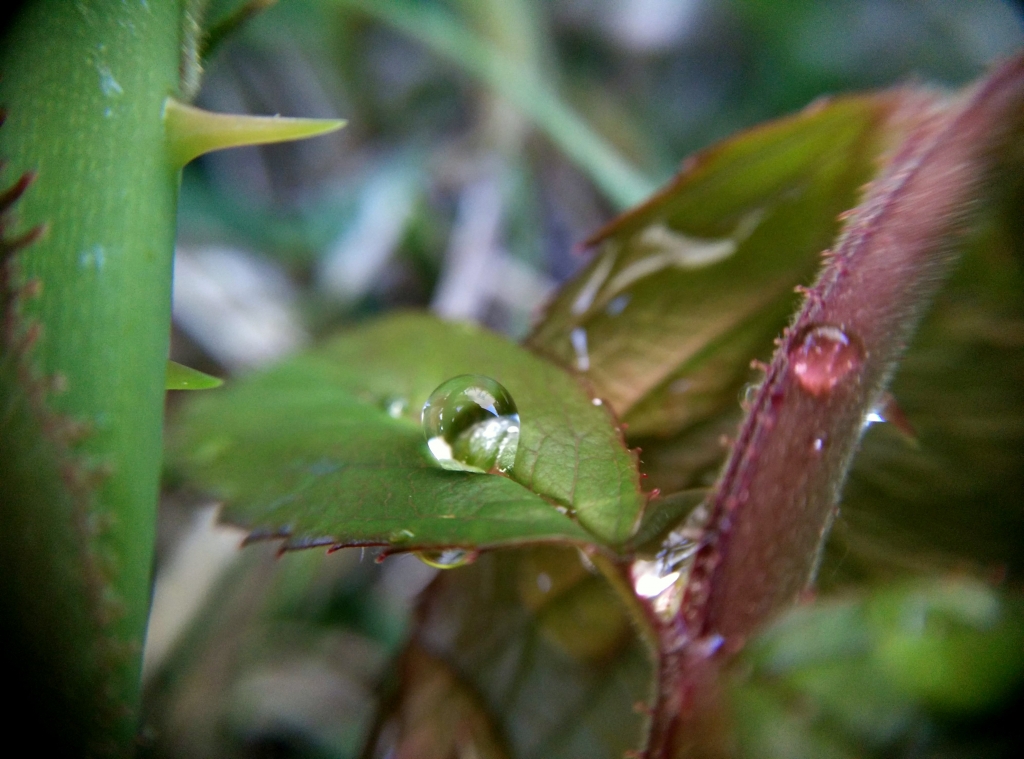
92, 258
822, 357
108, 84
707, 646
596, 402
748, 394
872, 417
472, 425
888, 410
650, 578
818, 444
401, 536
661, 580
446, 558
396, 407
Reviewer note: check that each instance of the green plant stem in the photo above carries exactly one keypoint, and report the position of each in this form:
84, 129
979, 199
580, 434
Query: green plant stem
84, 86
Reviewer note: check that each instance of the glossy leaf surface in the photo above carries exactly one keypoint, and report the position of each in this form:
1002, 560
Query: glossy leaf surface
328, 448
683, 291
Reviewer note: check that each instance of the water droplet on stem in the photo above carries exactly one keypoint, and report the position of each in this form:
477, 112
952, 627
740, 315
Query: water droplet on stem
472, 425
822, 357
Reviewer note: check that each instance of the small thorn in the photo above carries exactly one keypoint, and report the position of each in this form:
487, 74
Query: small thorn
179, 377
758, 365
893, 414
9, 196
191, 131
656, 493
33, 235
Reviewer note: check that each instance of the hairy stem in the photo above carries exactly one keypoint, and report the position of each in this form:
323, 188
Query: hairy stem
84, 86
774, 502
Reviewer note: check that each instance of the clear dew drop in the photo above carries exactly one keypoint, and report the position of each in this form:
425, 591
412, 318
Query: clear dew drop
661, 580
472, 425
401, 536
446, 558
822, 357
748, 394
396, 407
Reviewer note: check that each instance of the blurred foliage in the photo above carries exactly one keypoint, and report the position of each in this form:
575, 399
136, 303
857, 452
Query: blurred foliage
914, 669
541, 648
444, 183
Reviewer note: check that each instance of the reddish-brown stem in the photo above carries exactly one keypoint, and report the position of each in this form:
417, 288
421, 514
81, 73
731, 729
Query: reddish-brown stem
779, 490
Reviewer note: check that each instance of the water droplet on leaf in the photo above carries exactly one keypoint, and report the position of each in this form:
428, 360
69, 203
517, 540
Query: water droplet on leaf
401, 536
822, 357
446, 558
396, 407
472, 425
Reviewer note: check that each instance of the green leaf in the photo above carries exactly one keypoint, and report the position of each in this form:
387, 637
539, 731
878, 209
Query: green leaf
685, 290
328, 448
533, 644
180, 377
